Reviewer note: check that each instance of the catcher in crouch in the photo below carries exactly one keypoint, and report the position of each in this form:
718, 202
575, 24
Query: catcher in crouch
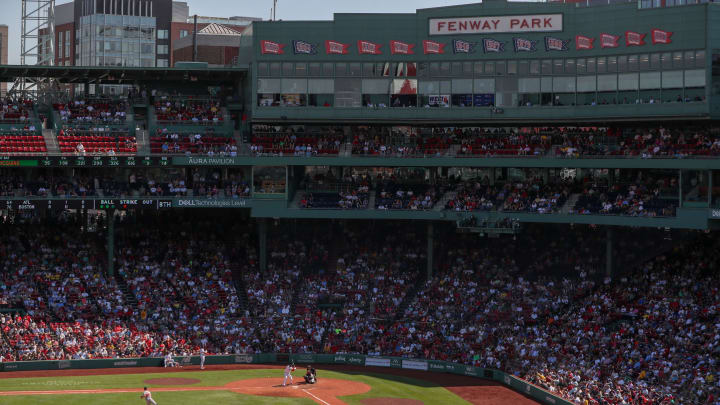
311, 375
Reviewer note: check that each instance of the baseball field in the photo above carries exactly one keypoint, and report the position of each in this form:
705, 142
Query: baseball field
250, 384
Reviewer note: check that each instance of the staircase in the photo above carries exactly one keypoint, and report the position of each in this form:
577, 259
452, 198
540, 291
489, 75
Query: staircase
143, 143
240, 288
371, 199
453, 150
440, 205
296, 294
410, 297
127, 294
51, 142
295, 203
346, 149
570, 204
237, 136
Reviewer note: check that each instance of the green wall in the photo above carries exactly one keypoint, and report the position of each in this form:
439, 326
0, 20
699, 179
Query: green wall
689, 24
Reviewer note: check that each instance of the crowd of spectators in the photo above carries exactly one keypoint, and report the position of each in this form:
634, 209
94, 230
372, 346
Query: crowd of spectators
537, 141
396, 194
13, 111
207, 143
280, 141
393, 143
539, 307
92, 111
201, 183
642, 199
532, 195
80, 140
351, 196
50, 186
188, 110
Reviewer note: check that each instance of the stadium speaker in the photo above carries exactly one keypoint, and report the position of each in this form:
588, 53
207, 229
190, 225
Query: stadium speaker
489, 374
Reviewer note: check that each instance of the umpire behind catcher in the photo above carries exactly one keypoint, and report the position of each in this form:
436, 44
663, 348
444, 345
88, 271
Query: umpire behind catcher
311, 375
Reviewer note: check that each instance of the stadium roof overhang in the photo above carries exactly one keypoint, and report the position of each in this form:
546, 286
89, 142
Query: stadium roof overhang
123, 75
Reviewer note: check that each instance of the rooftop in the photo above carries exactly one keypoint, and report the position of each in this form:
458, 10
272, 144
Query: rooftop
217, 29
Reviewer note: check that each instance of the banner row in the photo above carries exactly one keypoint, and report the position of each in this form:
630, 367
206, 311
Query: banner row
488, 45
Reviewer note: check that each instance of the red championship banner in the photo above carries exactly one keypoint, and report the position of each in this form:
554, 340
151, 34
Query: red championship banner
368, 48
633, 38
401, 48
273, 48
609, 40
336, 48
432, 47
661, 37
583, 42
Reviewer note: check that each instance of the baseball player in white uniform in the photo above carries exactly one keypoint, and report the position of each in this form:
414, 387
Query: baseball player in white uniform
202, 359
148, 397
288, 374
169, 361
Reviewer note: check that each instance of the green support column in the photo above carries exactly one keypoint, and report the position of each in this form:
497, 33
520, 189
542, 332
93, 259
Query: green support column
710, 187
262, 236
111, 243
609, 251
680, 191
430, 249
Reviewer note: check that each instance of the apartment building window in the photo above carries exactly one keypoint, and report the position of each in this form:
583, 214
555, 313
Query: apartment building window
183, 33
162, 63
162, 49
67, 44
162, 34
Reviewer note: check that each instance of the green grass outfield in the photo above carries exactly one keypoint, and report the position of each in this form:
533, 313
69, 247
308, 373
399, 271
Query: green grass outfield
382, 386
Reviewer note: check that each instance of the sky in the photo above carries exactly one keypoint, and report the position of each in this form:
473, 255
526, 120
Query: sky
287, 10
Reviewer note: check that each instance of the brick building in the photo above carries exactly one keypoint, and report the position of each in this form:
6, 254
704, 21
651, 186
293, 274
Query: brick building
216, 44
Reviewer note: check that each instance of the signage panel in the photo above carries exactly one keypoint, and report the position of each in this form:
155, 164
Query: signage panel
496, 24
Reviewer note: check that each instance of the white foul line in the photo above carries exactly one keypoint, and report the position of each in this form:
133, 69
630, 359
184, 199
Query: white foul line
315, 396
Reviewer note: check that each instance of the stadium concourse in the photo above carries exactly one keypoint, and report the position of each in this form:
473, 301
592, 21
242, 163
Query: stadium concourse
536, 306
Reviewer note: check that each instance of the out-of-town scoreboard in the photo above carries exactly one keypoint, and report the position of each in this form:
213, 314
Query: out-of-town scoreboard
85, 161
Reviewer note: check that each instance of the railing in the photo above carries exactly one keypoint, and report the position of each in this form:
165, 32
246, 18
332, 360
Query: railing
249, 154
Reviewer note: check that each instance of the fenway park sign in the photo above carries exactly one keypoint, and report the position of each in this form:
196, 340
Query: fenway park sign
497, 24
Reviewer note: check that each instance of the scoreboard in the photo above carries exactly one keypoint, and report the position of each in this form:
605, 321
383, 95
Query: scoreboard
84, 204
85, 161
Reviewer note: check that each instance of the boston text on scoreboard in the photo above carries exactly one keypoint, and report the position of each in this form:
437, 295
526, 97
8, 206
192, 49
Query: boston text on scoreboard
84, 204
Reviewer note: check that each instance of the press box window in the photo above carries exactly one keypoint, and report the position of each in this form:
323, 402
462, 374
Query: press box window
275, 69
315, 69
262, 69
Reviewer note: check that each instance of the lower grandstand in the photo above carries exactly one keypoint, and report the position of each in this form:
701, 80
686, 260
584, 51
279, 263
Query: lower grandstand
538, 304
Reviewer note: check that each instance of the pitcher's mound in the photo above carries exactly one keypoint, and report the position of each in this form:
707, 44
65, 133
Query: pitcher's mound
325, 391
171, 381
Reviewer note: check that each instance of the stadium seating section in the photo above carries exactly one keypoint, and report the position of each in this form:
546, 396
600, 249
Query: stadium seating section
194, 142
531, 307
22, 143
